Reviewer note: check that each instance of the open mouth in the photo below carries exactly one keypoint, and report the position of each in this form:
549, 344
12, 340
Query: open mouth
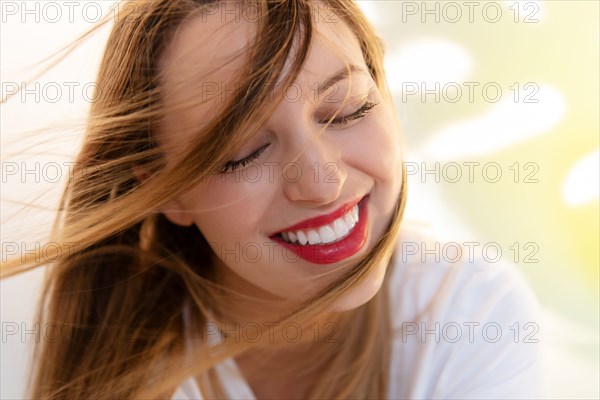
328, 233
332, 242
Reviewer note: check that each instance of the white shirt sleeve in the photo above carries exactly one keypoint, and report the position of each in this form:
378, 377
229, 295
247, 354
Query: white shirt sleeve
467, 330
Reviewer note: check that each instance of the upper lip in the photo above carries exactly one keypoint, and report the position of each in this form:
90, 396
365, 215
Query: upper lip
322, 219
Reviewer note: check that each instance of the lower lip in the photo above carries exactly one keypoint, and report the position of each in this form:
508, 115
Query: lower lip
333, 252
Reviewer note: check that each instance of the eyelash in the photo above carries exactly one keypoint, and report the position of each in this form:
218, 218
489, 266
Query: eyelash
231, 166
358, 114
362, 112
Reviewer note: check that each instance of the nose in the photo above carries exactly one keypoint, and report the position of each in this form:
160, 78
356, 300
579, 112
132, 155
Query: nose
316, 174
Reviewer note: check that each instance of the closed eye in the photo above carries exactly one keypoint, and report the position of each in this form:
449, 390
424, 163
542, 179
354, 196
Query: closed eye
362, 112
231, 166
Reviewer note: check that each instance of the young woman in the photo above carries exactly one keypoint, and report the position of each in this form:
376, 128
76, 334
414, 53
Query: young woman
237, 206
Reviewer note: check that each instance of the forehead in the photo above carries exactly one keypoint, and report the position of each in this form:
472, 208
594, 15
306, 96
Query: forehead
204, 62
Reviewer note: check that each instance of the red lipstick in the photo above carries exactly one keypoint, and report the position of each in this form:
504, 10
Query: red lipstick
322, 219
331, 252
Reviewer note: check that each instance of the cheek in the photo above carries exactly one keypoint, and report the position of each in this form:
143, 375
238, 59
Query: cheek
387, 138
226, 208
231, 213
375, 148
377, 155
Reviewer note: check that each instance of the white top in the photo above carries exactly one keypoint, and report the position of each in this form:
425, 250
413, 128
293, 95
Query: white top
471, 331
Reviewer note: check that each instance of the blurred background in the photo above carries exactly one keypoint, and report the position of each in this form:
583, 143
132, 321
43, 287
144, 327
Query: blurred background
499, 103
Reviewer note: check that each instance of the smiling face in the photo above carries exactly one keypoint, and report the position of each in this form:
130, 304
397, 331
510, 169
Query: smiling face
295, 180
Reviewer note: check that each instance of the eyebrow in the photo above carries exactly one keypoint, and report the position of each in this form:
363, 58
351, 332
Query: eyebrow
338, 76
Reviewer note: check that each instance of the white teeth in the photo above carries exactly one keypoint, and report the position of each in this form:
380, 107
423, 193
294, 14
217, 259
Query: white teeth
349, 220
340, 228
327, 234
313, 237
302, 238
335, 231
292, 237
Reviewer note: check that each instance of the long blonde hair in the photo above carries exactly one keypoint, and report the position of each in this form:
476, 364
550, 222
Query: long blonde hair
119, 297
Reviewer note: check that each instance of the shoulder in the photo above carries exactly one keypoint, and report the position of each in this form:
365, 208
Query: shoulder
465, 327
433, 277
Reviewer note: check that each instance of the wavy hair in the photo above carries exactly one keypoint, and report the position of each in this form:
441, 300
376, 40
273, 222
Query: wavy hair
120, 295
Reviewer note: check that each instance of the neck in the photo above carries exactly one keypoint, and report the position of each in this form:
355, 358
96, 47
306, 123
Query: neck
254, 314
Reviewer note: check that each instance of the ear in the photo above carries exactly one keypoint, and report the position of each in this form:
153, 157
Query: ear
177, 214
140, 173
174, 211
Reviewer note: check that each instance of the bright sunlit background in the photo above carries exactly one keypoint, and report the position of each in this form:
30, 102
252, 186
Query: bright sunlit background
502, 87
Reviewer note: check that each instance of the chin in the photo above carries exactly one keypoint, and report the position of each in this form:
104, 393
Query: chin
362, 293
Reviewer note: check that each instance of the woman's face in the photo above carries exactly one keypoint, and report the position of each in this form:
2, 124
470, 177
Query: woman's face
301, 185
